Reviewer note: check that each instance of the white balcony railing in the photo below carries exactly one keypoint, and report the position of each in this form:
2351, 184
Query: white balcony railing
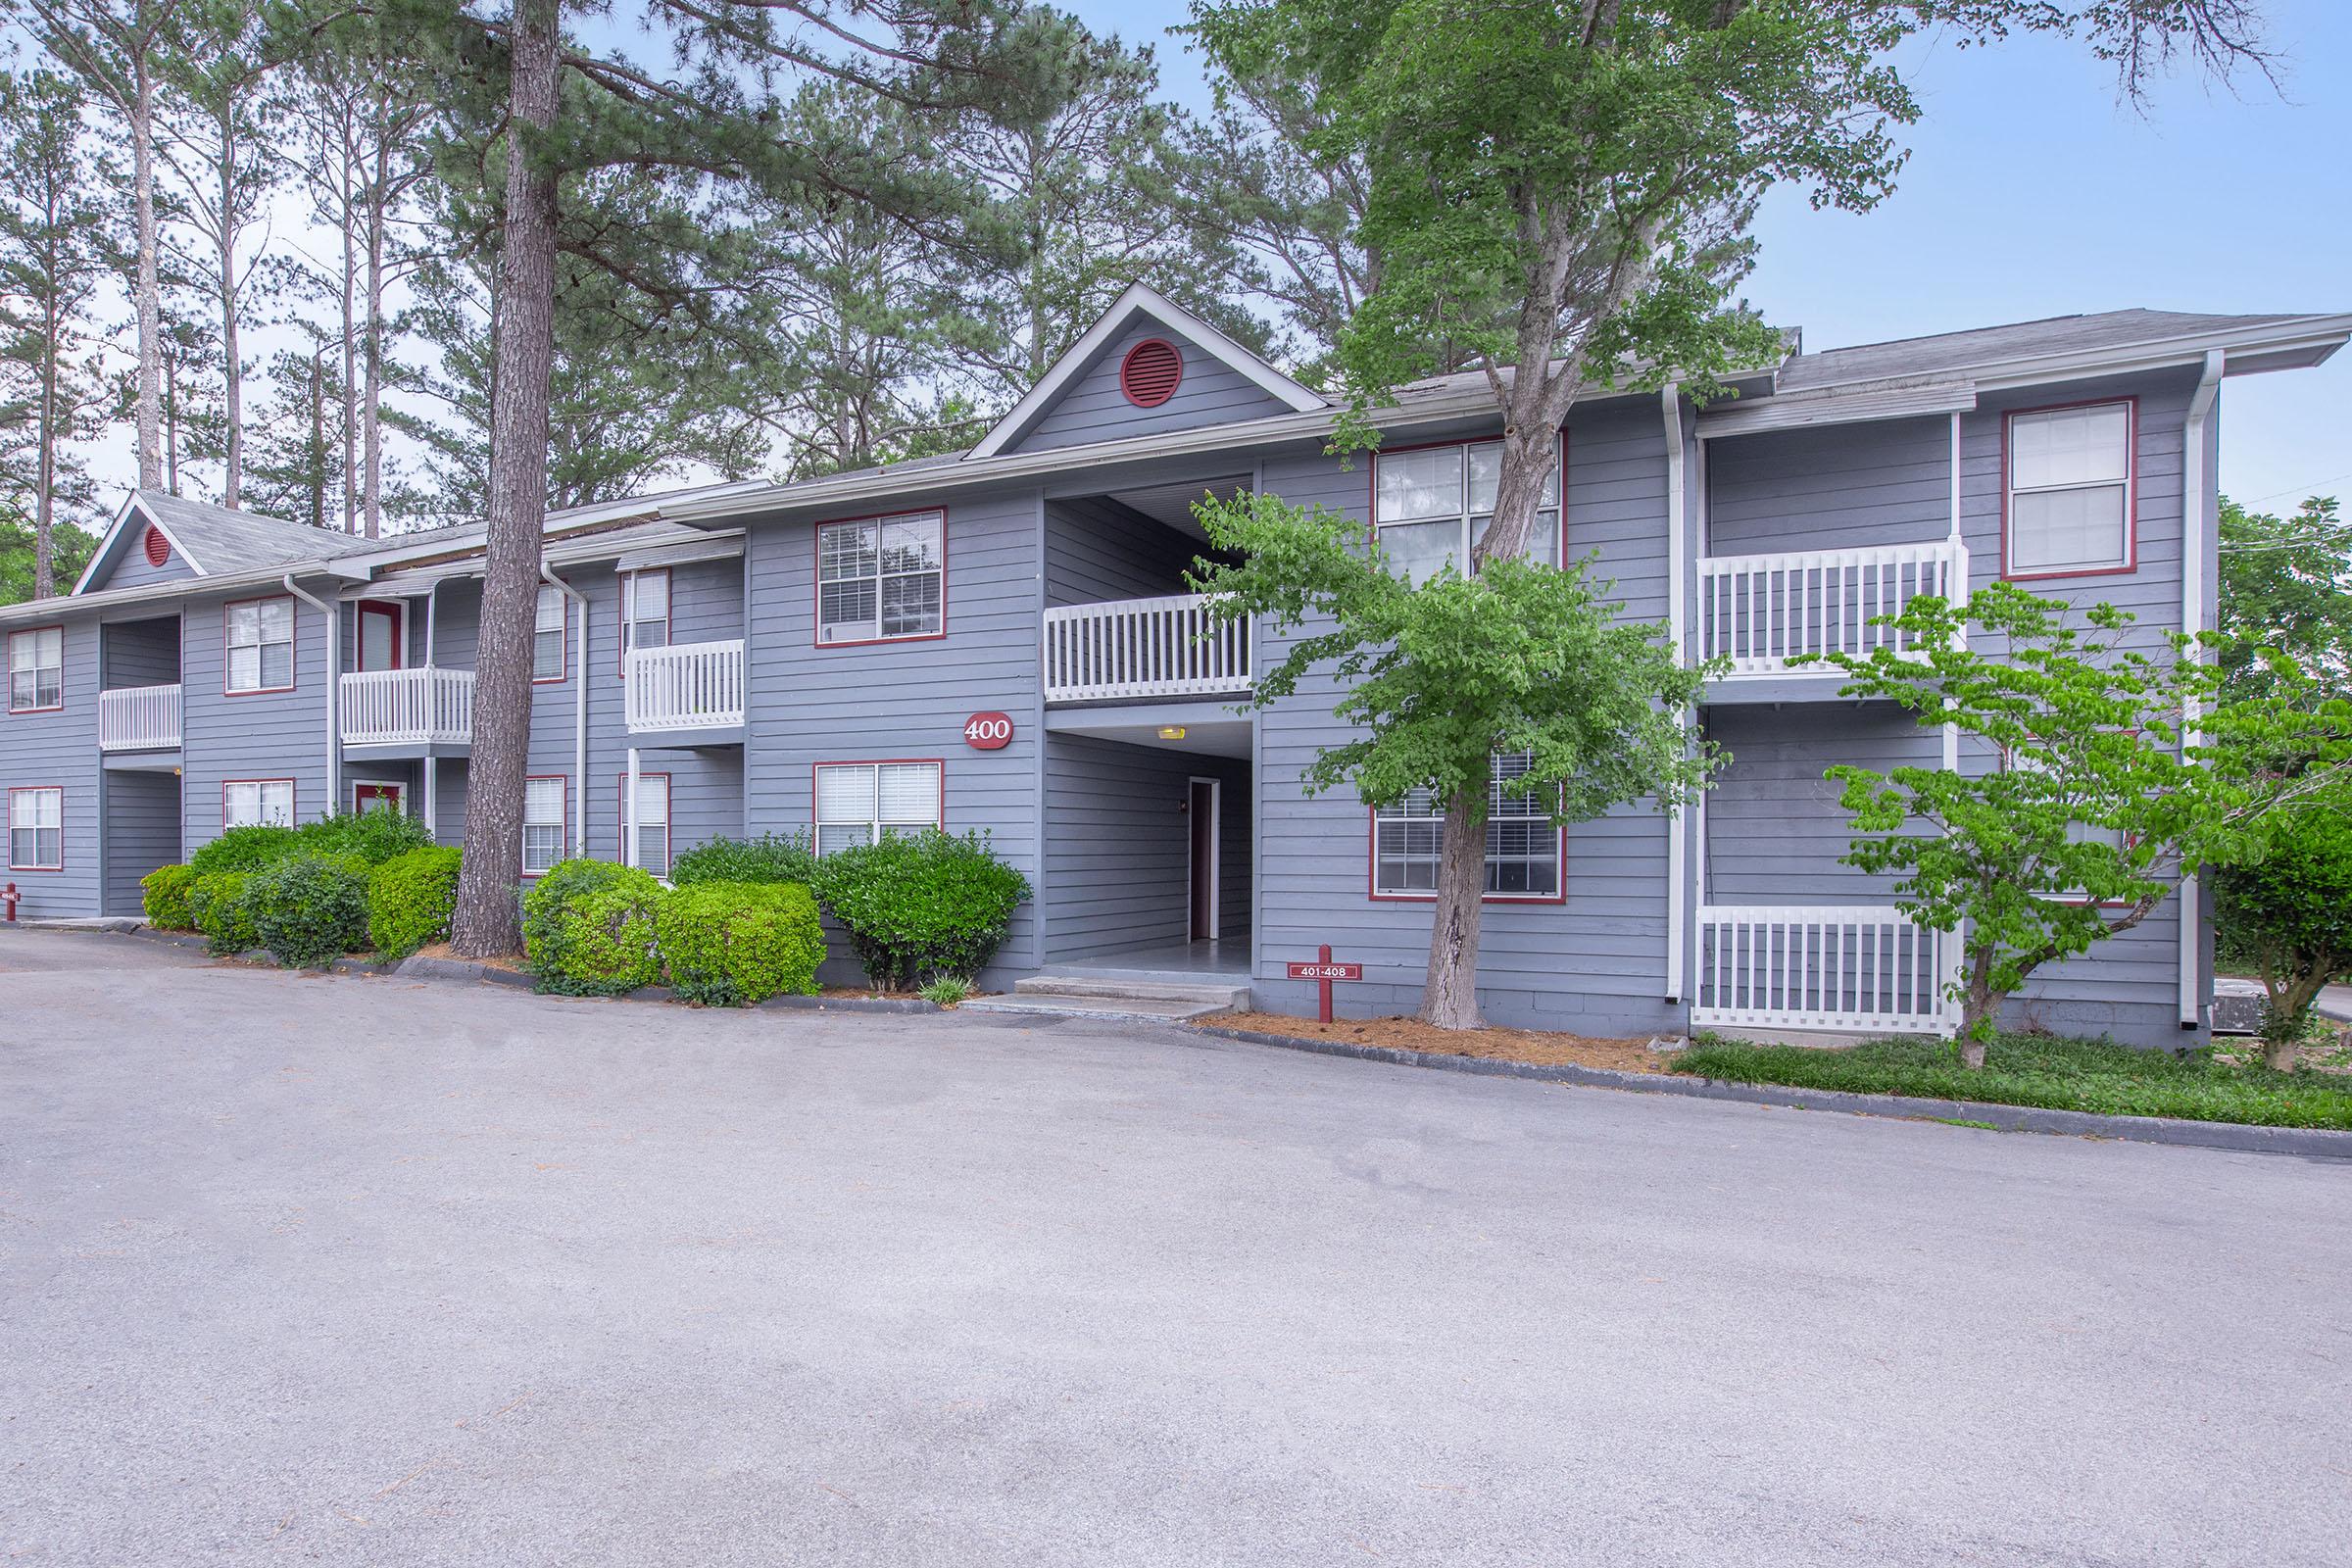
138, 718
1819, 967
426, 706
1764, 610
686, 686
1172, 647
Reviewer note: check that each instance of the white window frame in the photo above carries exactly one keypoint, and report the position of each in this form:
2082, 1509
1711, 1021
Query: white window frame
260, 644
2127, 556
256, 802
561, 823
549, 594
1394, 509
648, 785
27, 665
838, 565
631, 617
875, 821
24, 817
1507, 818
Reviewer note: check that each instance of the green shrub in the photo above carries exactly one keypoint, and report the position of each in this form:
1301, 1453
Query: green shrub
770, 857
578, 952
166, 898
244, 849
731, 944
410, 898
921, 906
310, 910
217, 901
375, 835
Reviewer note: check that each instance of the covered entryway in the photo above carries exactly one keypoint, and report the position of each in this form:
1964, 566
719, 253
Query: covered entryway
139, 829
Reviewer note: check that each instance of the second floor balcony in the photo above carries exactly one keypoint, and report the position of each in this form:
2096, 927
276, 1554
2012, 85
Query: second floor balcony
686, 686
139, 718
425, 706
1128, 649
1764, 610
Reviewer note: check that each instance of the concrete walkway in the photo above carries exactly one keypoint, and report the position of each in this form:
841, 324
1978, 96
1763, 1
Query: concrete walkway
352, 1271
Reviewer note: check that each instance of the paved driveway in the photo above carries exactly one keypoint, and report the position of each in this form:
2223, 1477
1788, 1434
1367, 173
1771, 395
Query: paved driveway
348, 1271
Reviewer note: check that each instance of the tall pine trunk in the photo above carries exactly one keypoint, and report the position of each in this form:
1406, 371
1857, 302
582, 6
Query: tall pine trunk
44, 502
487, 921
372, 435
147, 286
232, 388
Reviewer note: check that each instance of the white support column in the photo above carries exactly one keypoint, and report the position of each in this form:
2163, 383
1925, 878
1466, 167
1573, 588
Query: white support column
628, 829
1678, 862
2196, 479
579, 707
1954, 940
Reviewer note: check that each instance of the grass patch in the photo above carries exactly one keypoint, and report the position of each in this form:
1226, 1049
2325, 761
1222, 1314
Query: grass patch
2093, 1075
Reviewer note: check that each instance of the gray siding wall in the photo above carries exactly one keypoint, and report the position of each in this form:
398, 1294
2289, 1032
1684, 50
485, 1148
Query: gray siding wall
61, 750
1774, 827
140, 652
1118, 845
142, 832
130, 568
1832, 488
256, 735
1098, 550
448, 800
1092, 408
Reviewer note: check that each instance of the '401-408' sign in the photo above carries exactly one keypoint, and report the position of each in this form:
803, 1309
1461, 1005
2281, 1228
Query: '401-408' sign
988, 732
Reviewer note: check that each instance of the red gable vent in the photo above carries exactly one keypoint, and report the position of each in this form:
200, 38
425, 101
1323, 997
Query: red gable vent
1150, 371
158, 547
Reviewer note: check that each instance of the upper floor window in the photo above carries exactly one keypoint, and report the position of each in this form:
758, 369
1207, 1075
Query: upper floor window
1523, 843
261, 645
36, 840
644, 612
2070, 491
257, 801
546, 633
881, 577
1432, 503
36, 669
543, 812
857, 803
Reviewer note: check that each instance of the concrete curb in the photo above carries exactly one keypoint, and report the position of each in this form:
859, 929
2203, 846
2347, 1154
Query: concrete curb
790, 1001
2312, 1142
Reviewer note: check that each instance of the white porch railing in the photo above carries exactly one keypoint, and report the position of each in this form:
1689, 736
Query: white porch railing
1171, 647
411, 707
1819, 967
686, 686
1765, 609
138, 718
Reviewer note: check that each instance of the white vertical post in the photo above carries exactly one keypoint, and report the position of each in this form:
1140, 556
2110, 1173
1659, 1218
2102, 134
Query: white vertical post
628, 835
1678, 871
2195, 481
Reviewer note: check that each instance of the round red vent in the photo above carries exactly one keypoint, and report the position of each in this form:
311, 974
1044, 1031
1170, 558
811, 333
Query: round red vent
158, 547
1150, 371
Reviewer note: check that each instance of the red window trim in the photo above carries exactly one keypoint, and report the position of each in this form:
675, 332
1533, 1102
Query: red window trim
1372, 483
2130, 404
817, 580
1372, 871
670, 603
399, 614
1127, 373
16, 790
399, 791
939, 762
293, 797
621, 824
563, 829
295, 642
8, 657
563, 665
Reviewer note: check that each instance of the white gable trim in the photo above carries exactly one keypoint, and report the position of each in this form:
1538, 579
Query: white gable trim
113, 537
1139, 300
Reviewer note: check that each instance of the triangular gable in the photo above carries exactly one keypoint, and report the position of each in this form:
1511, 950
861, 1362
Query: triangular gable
1095, 392
120, 561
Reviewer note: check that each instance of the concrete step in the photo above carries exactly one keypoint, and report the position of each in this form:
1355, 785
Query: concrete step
1106, 1008
1204, 993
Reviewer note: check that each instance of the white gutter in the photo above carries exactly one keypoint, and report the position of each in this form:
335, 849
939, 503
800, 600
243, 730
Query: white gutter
579, 721
1678, 864
56, 605
334, 687
2194, 541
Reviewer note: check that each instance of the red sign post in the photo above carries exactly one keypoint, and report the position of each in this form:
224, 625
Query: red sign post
1323, 972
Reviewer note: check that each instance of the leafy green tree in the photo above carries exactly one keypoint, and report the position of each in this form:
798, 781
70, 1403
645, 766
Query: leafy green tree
2293, 909
1442, 678
2089, 795
2286, 585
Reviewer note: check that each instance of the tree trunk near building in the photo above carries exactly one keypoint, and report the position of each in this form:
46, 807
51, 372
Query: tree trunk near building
1449, 996
233, 369
1980, 1009
147, 286
487, 921
44, 502
372, 435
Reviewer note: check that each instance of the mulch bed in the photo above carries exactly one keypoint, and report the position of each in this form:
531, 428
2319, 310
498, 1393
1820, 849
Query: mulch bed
1543, 1048
510, 962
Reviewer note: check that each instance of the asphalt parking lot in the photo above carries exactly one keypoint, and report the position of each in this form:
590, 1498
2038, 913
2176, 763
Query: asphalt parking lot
336, 1270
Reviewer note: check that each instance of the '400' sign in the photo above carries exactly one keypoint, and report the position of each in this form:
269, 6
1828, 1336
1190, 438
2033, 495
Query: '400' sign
988, 732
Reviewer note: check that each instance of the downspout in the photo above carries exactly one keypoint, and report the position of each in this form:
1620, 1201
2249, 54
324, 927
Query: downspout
334, 687
2194, 541
579, 721
1677, 865
431, 767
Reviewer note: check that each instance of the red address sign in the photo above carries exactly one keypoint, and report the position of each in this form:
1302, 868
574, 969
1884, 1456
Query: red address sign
1327, 972
988, 732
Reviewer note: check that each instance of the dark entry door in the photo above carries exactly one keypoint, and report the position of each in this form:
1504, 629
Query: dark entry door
1201, 812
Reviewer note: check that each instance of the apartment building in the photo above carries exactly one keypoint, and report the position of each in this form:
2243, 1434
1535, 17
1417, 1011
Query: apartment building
1001, 639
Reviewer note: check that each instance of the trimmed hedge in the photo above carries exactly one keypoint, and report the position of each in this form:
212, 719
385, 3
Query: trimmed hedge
217, 901
166, 897
312, 911
770, 857
732, 944
588, 928
410, 898
244, 849
921, 906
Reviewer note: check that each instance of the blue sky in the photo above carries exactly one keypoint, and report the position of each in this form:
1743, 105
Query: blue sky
2030, 192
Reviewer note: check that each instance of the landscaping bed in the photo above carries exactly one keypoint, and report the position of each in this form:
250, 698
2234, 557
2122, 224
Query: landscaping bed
2040, 1070
1541, 1048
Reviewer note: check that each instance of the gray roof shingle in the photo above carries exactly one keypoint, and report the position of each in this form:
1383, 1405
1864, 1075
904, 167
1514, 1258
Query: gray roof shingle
226, 542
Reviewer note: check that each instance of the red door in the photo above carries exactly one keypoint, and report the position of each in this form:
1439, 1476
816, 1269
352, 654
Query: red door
367, 797
380, 626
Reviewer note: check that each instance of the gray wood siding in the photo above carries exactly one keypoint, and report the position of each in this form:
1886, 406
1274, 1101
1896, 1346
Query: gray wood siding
60, 750
448, 800
258, 735
140, 652
1097, 550
1092, 408
1118, 845
130, 568
1774, 828
142, 832
1834, 488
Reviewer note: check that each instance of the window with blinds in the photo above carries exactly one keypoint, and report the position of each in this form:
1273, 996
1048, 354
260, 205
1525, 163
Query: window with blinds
856, 803
2070, 491
542, 801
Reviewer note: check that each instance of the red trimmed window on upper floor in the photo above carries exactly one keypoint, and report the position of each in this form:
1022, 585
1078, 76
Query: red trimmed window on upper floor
2068, 508
36, 669
881, 579
1431, 505
260, 637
